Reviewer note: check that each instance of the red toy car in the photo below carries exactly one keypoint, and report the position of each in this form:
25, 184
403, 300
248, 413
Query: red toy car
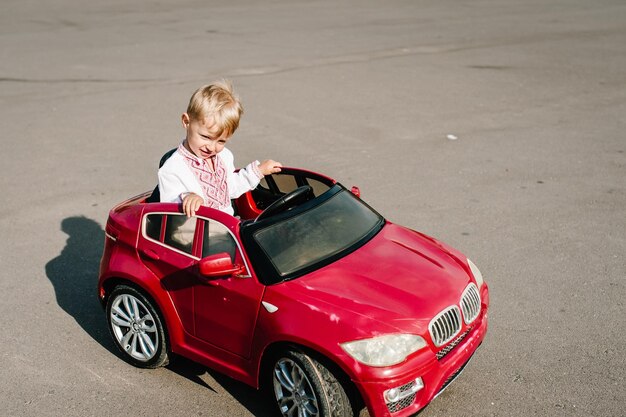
308, 291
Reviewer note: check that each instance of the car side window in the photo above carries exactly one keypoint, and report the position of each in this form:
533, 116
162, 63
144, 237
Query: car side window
319, 188
153, 226
285, 183
179, 232
274, 186
288, 183
217, 239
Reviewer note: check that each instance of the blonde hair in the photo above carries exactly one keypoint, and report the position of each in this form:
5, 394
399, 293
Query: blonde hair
218, 101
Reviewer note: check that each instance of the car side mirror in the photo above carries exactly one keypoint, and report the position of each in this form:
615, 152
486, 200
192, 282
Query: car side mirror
219, 265
355, 190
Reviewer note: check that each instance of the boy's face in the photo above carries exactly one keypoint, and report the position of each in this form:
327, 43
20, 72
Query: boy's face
202, 139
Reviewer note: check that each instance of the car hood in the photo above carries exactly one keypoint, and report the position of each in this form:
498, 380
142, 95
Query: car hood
400, 278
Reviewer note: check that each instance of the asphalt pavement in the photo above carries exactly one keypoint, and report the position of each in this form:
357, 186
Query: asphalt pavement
496, 126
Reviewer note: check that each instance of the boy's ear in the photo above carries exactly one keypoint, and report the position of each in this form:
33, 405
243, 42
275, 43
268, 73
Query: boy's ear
185, 120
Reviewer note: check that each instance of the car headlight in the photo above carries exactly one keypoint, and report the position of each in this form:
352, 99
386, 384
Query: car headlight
476, 272
385, 350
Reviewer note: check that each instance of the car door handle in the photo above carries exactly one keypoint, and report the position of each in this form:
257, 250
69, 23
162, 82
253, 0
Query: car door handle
151, 254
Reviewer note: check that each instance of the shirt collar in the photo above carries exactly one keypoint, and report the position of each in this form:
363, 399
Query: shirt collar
189, 155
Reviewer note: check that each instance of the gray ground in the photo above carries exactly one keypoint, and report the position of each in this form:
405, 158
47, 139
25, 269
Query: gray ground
533, 189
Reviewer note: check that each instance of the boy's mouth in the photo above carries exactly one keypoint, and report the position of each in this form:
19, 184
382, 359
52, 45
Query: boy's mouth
208, 154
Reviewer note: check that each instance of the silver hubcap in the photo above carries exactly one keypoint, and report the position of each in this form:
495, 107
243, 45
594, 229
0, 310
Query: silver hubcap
134, 327
293, 390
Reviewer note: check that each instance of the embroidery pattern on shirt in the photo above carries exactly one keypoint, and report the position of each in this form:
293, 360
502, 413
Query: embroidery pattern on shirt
214, 184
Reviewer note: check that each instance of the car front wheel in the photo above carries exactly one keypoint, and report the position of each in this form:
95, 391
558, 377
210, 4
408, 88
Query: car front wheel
303, 387
136, 328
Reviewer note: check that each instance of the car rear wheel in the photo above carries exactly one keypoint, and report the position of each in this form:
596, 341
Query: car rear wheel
303, 387
137, 328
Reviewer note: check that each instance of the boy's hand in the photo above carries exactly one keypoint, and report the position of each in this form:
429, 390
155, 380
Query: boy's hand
269, 167
191, 204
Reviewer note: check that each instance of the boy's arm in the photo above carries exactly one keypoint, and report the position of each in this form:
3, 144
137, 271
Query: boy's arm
170, 187
244, 180
191, 204
247, 178
176, 181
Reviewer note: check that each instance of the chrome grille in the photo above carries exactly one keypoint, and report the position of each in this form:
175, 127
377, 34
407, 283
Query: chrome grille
443, 352
445, 326
470, 303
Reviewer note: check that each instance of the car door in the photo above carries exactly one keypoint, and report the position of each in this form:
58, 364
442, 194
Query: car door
166, 245
226, 308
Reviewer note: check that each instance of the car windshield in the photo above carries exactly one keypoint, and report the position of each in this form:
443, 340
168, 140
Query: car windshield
335, 226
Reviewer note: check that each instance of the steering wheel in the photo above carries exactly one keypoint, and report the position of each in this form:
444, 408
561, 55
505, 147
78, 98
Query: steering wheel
287, 201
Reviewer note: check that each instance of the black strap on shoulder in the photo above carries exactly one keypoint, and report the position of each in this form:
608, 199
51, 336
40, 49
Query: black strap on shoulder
166, 156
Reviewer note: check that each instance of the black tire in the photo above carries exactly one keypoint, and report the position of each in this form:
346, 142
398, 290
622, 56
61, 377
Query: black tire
137, 328
304, 387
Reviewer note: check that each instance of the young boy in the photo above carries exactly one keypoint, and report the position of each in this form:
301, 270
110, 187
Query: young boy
202, 170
